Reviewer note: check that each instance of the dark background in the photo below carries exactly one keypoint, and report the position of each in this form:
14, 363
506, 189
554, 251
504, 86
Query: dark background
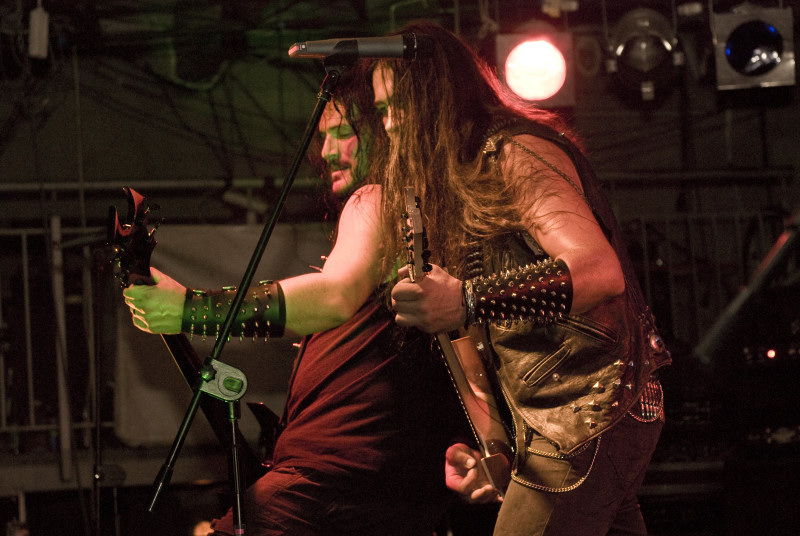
197, 105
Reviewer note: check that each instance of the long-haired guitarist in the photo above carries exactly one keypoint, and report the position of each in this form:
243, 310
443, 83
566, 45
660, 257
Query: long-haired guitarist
525, 250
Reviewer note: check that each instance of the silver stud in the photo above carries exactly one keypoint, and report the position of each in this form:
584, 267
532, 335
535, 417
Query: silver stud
656, 343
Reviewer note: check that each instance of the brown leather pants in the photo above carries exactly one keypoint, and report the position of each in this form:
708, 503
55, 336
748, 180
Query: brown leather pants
592, 493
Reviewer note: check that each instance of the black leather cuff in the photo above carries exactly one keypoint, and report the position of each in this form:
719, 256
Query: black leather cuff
262, 313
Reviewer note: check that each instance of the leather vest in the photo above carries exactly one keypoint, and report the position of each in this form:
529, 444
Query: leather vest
572, 379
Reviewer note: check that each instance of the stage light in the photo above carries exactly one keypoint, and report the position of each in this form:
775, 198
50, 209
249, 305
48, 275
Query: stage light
643, 53
753, 47
535, 70
537, 66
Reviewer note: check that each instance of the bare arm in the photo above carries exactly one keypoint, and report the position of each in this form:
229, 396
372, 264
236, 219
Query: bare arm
314, 302
320, 301
564, 226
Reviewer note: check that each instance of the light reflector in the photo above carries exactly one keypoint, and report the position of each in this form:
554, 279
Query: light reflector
538, 66
643, 53
754, 47
535, 69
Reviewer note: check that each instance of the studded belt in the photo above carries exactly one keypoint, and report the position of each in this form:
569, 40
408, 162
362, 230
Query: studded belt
650, 406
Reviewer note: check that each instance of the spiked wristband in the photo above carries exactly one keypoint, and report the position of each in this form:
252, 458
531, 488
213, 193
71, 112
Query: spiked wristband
540, 292
262, 313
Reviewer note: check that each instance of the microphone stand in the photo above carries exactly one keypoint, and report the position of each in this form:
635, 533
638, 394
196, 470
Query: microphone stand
218, 379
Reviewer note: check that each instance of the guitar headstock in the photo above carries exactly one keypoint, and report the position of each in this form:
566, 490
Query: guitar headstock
133, 241
416, 239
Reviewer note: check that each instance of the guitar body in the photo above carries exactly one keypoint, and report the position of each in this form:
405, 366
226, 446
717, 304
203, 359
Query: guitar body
133, 244
467, 370
476, 394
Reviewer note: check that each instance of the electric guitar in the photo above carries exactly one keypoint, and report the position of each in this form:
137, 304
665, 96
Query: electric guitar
133, 243
465, 366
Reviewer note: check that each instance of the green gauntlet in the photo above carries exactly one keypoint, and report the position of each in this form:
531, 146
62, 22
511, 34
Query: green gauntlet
262, 313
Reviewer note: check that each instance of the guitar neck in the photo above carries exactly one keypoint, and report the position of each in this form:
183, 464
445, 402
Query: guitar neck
185, 357
465, 365
133, 242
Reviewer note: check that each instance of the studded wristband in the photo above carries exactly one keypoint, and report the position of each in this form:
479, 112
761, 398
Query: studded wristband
540, 292
262, 313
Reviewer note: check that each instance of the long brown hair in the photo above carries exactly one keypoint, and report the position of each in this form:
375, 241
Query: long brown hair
447, 105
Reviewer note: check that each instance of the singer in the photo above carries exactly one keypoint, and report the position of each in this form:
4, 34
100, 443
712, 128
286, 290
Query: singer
366, 427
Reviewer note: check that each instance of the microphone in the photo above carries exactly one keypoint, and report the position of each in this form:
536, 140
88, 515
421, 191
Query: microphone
405, 46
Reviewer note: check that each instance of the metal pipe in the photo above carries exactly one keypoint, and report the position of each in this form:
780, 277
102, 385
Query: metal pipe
64, 413
724, 176
26, 291
166, 184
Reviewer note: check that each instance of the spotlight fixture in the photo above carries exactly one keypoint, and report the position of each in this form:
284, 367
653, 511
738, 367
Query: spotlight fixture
753, 47
537, 65
643, 53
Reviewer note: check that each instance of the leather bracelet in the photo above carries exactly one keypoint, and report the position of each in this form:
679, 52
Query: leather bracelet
540, 292
262, 313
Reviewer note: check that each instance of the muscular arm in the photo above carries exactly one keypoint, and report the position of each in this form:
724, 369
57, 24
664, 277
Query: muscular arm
314, 302
320, 301
563, 224
558, 218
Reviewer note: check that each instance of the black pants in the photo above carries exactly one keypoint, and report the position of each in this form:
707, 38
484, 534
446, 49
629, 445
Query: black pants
301, 502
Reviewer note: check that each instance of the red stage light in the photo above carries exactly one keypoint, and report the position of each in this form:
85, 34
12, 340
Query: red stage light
535, 69
538, 66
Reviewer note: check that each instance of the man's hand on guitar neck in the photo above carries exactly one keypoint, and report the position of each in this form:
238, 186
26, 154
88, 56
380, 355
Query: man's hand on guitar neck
432, 303
464, 476
157, 308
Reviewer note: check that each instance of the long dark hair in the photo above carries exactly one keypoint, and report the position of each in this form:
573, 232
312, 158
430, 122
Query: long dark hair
448, 103
354, 100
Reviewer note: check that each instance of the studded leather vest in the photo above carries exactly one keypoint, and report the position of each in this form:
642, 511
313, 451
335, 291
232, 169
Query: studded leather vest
572, 379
